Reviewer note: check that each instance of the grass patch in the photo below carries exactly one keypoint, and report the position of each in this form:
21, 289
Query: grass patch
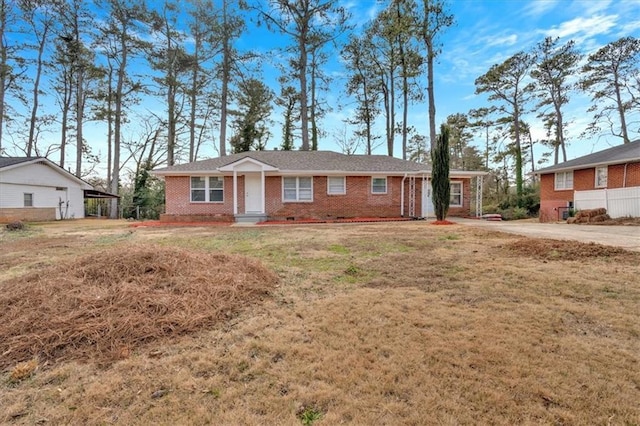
450, 324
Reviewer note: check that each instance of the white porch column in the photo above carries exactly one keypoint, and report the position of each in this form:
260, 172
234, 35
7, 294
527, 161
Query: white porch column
235, 192
262, 183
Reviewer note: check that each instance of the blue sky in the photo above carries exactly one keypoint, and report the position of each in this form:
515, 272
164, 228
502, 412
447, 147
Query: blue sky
486, 33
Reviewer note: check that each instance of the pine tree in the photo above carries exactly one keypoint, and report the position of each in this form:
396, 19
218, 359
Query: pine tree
440, 174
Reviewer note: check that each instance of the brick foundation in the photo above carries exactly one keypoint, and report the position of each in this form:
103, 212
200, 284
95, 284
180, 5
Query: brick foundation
27, 214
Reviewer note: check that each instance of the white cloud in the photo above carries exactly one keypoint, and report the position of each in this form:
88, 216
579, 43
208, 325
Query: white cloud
502, 40
585, 27
629, 28
538, 8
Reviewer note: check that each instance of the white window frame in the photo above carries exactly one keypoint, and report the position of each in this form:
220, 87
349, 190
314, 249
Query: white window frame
451, 184
24, 199
560, 181
342, 191
598, 184
386, 185
207, 189
297, 189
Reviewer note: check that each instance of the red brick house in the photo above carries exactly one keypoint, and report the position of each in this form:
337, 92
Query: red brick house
608, 179
295, 185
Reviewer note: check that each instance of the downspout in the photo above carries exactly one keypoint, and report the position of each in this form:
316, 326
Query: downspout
402, 196
624, 176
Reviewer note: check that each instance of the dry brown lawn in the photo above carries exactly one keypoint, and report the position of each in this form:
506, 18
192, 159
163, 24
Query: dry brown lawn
395, 323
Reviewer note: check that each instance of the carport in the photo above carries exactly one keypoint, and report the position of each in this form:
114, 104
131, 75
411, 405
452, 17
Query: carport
96, 203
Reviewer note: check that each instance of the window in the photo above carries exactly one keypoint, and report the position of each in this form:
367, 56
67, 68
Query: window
216, 189
297, 189
455, 194
378, 185
207, 189
601, 176
564, 180
336, 185
28, 200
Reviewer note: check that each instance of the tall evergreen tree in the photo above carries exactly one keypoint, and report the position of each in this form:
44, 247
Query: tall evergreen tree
311, 24
432, 20
440, 174
254, 100
506, 84
555, 65
610, 75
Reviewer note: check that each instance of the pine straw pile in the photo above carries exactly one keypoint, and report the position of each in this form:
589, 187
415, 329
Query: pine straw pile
100, 307
546, 249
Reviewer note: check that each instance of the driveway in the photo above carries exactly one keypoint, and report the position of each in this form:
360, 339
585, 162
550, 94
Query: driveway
627, 237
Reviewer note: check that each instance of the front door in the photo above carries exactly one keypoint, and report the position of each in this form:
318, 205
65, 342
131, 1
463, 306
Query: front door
253, 193
427, 201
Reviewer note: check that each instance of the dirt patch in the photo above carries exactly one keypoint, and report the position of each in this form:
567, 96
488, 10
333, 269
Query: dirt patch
102, 306
545, 249
442, 222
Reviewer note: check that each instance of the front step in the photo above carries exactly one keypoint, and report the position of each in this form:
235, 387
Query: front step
249, 218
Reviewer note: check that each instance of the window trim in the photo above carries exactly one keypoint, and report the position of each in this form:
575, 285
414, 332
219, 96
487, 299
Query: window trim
297, 200
24, 199
207, 189
344, 185
386, 185
606, 177
564, 186
456, 182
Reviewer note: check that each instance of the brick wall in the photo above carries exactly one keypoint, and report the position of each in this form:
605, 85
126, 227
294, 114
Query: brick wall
583, 180
357, 202
27, 214
178, 200
616, 175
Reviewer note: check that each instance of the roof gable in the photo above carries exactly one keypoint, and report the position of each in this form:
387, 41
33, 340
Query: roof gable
626, 153
9, 163
12, 161
247, 164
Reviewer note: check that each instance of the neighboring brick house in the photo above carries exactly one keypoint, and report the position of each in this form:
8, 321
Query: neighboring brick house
295, 185
594, 180
35, 189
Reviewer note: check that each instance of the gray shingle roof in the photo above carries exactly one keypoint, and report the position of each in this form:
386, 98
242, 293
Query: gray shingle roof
325, 161
629, 152
10, 161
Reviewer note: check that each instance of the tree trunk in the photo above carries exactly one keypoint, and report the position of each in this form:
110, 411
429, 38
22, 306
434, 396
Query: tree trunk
314, 125
226, 75
193, 99
79, 120
619, 102
4, 75
518, 150
115, 175
302, 76
431, 92
36, 91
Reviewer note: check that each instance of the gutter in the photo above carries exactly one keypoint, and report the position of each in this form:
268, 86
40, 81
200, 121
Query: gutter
402, 196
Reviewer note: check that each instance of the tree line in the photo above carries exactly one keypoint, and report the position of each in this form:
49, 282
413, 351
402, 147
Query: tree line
87, 57
540, 83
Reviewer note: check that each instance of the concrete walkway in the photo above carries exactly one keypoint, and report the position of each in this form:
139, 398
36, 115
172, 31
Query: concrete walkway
627, 237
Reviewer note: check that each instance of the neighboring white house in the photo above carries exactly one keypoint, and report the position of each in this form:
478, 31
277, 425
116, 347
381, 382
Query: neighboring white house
34, 189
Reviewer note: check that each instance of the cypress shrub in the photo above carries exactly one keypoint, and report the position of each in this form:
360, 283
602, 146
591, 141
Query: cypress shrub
440, 174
